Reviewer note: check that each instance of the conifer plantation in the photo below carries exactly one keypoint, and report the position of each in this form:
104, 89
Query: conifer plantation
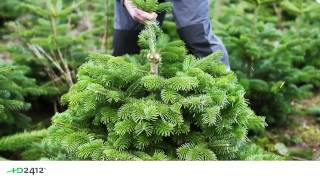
63, 96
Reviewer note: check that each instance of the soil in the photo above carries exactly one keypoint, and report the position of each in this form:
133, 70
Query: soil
290, 136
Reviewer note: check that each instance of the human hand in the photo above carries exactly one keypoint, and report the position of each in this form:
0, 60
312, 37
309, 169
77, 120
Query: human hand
138, 14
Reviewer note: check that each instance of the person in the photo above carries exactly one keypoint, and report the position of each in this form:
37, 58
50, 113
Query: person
193, 25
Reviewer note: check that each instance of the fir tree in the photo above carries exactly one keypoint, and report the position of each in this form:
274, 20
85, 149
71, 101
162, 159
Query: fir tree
10, 9
23, 146
275, 59
52, 44
54, 37
34, 28
93, 14
159, 105
14, 88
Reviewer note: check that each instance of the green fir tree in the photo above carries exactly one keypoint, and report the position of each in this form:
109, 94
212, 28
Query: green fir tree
15, 87
274, 56
159, 105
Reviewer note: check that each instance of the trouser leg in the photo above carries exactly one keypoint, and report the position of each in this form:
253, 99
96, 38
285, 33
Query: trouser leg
195, 28
126, 31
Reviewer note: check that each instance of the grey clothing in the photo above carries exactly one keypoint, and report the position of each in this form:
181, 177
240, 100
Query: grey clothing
193, 24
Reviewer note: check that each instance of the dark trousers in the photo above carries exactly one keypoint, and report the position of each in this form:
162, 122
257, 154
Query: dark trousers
193, 24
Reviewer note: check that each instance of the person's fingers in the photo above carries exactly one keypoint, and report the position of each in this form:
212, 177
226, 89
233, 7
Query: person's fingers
148, 16
139, 18
142, 16
155, 15
138, 14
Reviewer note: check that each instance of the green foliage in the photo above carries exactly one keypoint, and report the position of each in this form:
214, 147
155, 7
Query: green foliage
26, 145
276, 58
253, 152
15, 86
47, 42
53, 38
10, 8
136, 114
192, 110
152, 5
21, 140
315, 111
117, 110
311, 137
